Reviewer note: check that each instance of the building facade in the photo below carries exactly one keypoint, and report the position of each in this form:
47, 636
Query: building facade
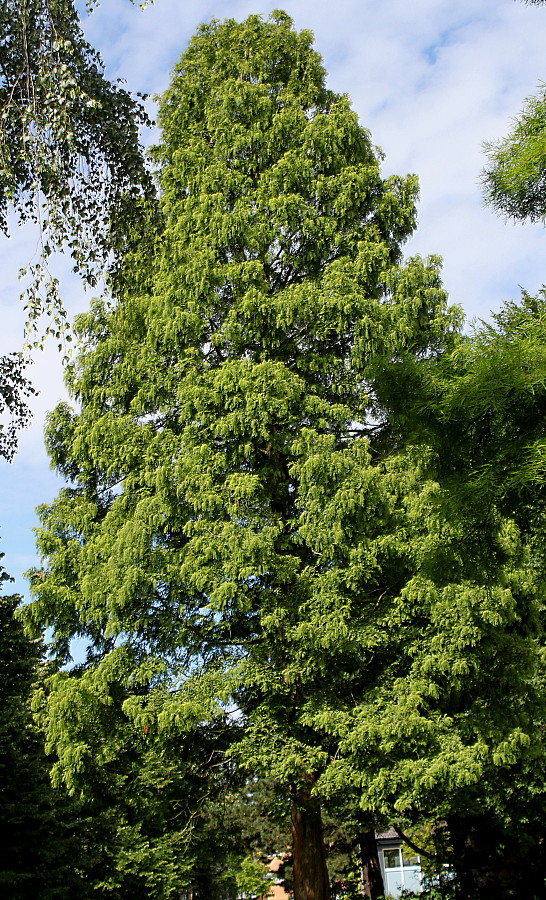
400, 866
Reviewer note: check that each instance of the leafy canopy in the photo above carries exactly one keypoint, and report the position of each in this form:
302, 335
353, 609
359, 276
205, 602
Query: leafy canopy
14, 389
515, 179
247, 533
70, 157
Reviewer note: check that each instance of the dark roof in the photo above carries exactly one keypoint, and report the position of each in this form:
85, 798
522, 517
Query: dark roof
387, 835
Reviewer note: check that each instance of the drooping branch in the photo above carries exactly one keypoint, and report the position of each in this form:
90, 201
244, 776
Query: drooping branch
14, 387
70, 157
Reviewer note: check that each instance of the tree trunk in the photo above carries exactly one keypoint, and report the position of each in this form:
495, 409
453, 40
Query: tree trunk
311, 881
371, 879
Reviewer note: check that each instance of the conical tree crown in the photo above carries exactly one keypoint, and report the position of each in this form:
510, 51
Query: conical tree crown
280, 232
246, 524
221, 459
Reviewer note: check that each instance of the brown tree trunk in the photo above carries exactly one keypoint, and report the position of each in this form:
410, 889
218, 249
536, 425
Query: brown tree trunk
371, 879
311, 880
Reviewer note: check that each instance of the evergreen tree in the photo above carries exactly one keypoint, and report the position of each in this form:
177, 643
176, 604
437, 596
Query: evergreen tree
142, 827
145, 805
248, 531
21, 794
41, 833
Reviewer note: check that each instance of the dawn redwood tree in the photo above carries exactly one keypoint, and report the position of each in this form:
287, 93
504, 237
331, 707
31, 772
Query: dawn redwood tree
245, 532
234, 369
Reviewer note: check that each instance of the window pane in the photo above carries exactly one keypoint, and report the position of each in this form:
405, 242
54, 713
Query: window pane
408, 857
392, 858
412, 881
394, 884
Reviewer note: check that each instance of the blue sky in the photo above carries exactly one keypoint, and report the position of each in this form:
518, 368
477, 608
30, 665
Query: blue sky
431, 79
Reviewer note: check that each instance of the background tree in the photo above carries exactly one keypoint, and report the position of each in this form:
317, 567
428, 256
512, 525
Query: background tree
150, 802
70, 157
484, 410
14, 388
480, 409
494, 397
514, 181
140, 821
45, 837
248, 526
22, 785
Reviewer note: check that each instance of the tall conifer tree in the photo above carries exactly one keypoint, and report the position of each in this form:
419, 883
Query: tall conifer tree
238, 532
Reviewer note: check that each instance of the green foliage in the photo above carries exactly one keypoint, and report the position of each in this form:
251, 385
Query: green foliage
19, 854
481, 407
515, 178
252, 531
514, 181
44, 837
14, 388
151, 792
486, 402
139, 821
250, 878
70, 157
